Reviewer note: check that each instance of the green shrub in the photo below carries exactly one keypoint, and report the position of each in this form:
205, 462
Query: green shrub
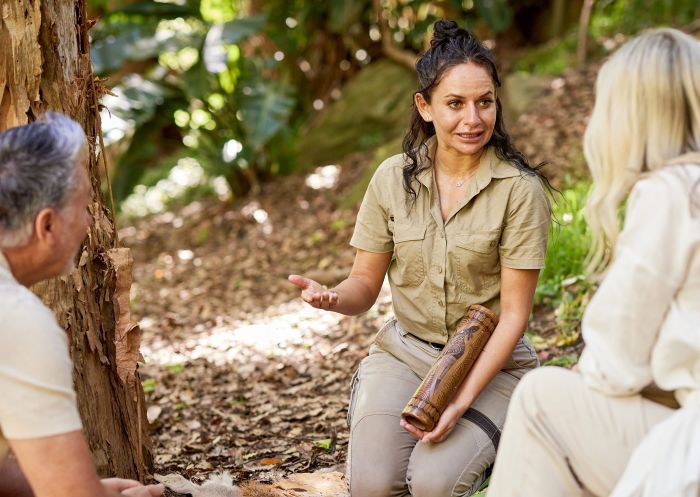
567, 247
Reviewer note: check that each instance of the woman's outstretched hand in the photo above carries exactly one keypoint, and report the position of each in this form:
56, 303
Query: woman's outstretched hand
314, 293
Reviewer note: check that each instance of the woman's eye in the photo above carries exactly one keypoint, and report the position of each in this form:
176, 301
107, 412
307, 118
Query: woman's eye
454, 104
485, 103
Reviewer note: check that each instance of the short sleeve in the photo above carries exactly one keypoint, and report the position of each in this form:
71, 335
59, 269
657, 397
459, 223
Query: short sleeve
372, 227
523, 243
37, 398
622, 322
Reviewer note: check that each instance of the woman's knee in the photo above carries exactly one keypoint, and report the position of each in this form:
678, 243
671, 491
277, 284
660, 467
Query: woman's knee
374, 481
370, 488
539, 384
426, 482
378, 454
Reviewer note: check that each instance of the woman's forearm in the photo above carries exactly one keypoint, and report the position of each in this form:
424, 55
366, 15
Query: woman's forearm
355, 296
517, 290
496, 353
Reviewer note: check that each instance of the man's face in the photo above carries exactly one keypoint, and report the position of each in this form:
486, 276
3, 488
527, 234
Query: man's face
75, 221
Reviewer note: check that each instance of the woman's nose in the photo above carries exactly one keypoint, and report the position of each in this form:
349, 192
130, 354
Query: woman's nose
471, 114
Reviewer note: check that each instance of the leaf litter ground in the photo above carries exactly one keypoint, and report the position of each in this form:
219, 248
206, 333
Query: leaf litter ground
239, 373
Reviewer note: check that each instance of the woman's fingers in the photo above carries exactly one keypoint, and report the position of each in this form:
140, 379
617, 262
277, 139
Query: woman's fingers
412, 430
299, 281
445, 425
313, 293
120, 484
325, 299
145, 491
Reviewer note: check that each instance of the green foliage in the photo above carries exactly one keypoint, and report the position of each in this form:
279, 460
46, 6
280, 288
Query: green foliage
611, 21
567, 247
629, 16
550, 59
265, 111
565, 361
497, 13
197, 76
324, 444
563, 284
148, 385
353, 197
195, 47
483, 488
373, 110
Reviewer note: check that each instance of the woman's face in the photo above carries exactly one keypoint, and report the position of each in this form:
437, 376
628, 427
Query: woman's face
462, 109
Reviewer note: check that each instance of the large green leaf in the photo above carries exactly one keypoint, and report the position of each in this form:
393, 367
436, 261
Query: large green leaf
237, 30
152, 142
135, 40
161, 10
497, 13
344, 13
136, 99
265, 110
228, 33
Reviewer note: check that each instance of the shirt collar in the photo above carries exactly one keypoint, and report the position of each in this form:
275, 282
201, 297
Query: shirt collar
490, 167
5, 271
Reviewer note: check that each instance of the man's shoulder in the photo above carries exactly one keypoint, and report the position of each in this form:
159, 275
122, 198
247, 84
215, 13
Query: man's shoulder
21, 310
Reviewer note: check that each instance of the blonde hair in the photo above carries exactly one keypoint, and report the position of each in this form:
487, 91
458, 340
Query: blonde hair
647, 112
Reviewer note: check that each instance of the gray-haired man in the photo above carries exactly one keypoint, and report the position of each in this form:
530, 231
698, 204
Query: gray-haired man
44, 193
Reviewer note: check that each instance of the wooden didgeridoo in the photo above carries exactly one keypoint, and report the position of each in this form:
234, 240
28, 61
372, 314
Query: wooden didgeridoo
451, 368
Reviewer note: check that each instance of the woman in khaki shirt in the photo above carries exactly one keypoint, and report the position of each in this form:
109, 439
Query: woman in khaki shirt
460, 218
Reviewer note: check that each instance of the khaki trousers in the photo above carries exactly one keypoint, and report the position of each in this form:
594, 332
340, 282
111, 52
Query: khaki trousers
563, 439
384, 460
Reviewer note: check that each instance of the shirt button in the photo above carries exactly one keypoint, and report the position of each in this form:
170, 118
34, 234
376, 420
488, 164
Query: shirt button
440, 303
439, 269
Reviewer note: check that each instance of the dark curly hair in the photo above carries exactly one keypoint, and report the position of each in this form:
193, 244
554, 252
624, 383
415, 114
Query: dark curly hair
449, 47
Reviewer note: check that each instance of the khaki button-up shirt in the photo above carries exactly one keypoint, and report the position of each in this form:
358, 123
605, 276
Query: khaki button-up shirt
439, 269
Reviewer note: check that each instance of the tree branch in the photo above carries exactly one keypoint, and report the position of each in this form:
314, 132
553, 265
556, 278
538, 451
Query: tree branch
404, 57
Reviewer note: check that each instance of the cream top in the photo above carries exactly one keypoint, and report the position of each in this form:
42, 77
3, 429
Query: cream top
643, 326
36, 385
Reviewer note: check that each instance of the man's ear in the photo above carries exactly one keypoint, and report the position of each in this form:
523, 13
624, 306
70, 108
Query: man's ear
423, 107
45, 225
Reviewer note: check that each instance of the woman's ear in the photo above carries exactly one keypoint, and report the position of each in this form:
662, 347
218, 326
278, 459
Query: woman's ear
423, 107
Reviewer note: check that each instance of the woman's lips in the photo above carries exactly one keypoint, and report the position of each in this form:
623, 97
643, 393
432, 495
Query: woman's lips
470, 137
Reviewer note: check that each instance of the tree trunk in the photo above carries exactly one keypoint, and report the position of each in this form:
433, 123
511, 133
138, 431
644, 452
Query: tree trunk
584, 20
45, 65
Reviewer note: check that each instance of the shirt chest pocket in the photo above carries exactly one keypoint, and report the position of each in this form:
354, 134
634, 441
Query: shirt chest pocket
408, 254
475, 258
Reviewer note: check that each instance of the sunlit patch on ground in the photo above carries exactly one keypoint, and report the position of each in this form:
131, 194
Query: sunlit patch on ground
292, 324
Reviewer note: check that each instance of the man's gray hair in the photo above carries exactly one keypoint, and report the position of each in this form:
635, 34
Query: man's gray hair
37, 171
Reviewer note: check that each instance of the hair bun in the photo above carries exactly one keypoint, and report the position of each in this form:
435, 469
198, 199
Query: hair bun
444, 31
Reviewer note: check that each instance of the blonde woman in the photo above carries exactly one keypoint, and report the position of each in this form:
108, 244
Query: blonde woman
615, 428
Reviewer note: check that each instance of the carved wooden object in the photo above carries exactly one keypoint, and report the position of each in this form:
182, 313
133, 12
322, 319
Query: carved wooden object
450, 368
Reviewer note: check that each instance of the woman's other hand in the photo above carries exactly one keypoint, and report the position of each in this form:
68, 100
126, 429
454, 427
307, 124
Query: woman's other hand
132, 488
446, 423
314, 293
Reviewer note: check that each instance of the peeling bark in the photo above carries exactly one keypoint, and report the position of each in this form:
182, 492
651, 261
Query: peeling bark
45, 65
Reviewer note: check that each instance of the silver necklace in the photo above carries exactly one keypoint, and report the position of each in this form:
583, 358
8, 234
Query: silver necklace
461, 181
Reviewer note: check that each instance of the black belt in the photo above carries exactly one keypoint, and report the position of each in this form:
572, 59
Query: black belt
486, 425
434, 345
